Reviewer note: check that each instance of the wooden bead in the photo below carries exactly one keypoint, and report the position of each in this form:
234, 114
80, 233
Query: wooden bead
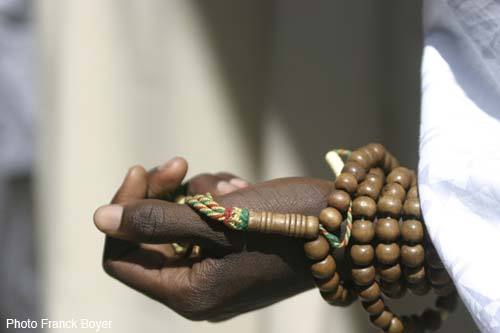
412, 231
364, 207
378, 172
362, 255
370, 293
290, 225
438, 277
432, 258
355, 169
387, 229
396, 326
329, 285
419, 289
325, 268
387, 254
393, 289
431, 319
395, 190
317, 249
363, 276
375, 179
415, 275
362, 158
412, 256
378, 152
333, 296
382, 320
389, 206
345, 298
346, 182
331, 219
389, 273
368, 189
362, 231
340, 200
389, 162
412, 192
374, 307
401, 176
411, 208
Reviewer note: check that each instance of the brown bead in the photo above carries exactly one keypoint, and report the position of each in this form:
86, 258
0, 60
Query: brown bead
438, 277
412, 256
375, 179
393, 289
317, 249
361, 157
329, 285
387, 229
333, 296
378, 172
362, 255
331, 219
401, 176
389, 162
374, 307
290, 225
395, 190
389, 206
340, 200
364, 207
325, 268
419, 289
447, 303
362, 231
356, 170
432, 258
344, 298
368, 189
412, 192
346, 182
412, 208
415, 275
387, 254
412, 231
431, 319
370, 293
378, 152
396, 326
389, 273
382, 320
363, 276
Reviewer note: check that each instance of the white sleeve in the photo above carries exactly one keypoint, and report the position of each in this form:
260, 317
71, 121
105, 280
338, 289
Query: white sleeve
459, 169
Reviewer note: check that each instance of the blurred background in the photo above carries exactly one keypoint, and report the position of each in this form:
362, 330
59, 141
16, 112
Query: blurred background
89, 88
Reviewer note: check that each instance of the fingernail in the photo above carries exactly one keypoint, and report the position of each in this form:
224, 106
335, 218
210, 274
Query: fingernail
238, 182
224, 187
108, 218
167, 164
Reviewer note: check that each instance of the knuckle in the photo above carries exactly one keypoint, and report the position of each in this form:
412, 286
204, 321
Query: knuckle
200, 181
145, 221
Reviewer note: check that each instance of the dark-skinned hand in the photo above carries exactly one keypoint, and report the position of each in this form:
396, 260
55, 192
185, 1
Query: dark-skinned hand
238, 271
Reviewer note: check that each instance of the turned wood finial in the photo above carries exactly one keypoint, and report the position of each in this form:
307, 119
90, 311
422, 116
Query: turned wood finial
291, 225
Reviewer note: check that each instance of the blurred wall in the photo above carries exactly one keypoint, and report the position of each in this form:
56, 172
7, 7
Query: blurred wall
274, 84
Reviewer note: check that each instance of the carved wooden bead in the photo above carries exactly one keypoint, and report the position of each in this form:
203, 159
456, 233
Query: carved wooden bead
419, 289
364, 207
368, 189
412, 256
389, 206
362, 158
412, 192
387, 229
396, 326
329, 285
363, 276
362, 255
340, 200
291, 225
346, 182
412, 231
412, 208
390, 273
355, 169
374, 307
382, 320
401, 176
378, 152
362, 231
393, 289
431, 319
438, 277
325, 268
370, 293
317, 249
387, 254
331, 219
415, 275
395, 190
